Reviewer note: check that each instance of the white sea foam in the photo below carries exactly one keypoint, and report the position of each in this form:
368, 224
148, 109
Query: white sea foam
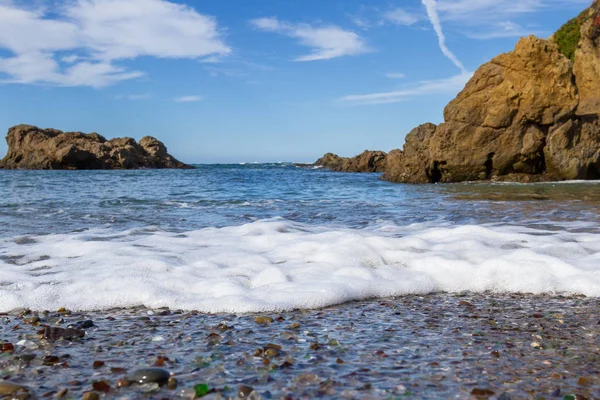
277, 265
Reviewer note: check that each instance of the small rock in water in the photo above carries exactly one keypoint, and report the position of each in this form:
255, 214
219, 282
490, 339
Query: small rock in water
481, 393
101, 386
247, 392
55, 333
172, 384
151, 375
264, 320
28, 344
90, 396
7, 389
86, 324
7, 347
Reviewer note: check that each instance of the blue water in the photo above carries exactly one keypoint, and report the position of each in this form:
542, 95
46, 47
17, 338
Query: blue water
44, 202
243, 238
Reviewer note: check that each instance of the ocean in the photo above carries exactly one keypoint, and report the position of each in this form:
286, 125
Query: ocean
276, 237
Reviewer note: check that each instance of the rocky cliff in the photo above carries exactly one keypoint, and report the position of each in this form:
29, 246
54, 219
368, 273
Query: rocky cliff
528, 115
30, 147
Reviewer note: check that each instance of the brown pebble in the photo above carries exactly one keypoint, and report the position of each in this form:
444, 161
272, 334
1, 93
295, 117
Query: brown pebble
172, 383
55, 333
98, 364
583, 381
101, 386
61, 393
8, 388
32, 321
116, 370
482, 393
264, 320
7, 347
339, 361
50, 360
122, 383
90, 396
244, 391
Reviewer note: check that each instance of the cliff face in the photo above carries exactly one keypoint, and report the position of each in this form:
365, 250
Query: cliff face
528, 115
32, 148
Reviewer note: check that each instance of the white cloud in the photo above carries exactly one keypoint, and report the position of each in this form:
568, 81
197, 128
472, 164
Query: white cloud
188, 99
431, 7
70, 59
395, 75
488, 19
326, 42
142, 96
96, 34
450, 85
502, 29
474, 11
401, 17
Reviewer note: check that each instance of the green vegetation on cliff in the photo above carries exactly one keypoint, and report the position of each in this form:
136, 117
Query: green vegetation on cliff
567, 37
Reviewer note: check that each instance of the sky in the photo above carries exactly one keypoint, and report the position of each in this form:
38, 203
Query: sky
225, 81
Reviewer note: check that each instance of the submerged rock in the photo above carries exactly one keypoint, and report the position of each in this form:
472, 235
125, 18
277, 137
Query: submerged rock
30, 147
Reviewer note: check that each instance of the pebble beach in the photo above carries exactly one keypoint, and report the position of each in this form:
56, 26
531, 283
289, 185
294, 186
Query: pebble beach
462, 346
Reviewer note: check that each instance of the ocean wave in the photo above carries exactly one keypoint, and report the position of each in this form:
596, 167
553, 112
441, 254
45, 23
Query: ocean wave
277, 264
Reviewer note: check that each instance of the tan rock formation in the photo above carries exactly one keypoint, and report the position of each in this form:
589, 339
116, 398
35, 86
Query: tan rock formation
30, 147
367, 161
527, 115
586, 66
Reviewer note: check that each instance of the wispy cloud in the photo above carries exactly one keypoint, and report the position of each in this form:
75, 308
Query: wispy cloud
489, 19
450, 85
502, 29
326, 42
395, 75
431, 7
400, 16
474, 11
79, 42
141, 96
188, 99
371, 17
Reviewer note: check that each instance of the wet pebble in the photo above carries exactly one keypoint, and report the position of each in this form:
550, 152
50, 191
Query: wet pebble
264, 320
53, 333
244, 391
90, 396
8, 388
151, 375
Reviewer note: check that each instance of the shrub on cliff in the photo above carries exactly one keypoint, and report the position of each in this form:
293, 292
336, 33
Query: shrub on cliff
567, 37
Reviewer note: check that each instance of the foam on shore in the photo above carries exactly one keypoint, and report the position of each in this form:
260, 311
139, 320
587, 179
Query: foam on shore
273, 265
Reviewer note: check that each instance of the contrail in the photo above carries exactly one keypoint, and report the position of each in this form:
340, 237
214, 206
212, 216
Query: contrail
431, 7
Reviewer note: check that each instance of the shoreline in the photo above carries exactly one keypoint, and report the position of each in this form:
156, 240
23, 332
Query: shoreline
434, 346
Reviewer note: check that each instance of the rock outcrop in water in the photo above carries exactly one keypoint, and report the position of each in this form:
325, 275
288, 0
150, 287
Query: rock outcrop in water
367, 161
528, 115
30, 147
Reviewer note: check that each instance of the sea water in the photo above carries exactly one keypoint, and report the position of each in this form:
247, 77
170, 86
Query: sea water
265, 237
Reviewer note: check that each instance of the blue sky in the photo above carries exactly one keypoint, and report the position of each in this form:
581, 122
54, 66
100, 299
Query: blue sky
252, 80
